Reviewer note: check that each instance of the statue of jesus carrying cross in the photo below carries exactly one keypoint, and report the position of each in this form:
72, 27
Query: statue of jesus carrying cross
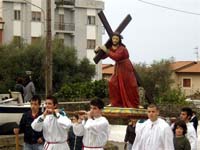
123, 87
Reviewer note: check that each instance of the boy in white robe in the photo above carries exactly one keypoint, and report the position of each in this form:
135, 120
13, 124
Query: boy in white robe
153, 134
54, 125
95, 130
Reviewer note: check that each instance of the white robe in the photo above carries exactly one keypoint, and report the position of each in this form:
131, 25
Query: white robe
95, 133
55, 131
155, 135
191, 135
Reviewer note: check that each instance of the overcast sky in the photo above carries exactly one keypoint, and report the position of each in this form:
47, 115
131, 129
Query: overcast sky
157, 33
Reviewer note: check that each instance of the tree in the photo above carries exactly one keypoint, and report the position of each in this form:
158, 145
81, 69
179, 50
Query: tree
84, 71
15, 60
156, 80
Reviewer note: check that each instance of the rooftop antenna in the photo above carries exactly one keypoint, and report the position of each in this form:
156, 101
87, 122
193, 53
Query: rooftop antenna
197, 52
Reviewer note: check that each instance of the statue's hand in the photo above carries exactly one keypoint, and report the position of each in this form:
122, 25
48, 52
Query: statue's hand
96, 49
104, 48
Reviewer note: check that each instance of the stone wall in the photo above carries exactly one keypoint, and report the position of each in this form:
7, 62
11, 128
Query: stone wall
7, 142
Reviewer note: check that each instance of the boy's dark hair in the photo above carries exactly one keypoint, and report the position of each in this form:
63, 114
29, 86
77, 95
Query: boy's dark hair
194, 112
188, 110
76, 116
181, 124
152, 105
54, 100
36, 98
97, 102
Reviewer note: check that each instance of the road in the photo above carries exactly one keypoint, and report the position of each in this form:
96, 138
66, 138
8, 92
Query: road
117, 133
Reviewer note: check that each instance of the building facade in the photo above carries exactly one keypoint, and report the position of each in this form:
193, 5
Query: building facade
186, 76
74, 22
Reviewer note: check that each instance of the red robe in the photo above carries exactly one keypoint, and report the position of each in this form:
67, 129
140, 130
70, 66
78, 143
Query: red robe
123, 88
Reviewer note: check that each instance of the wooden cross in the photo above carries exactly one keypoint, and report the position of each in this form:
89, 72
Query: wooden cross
106, 25
120, 28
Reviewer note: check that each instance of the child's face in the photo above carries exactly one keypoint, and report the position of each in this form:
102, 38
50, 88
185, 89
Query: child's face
179, 131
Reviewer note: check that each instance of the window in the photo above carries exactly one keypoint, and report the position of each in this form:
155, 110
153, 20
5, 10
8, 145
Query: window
187, 82
17, 14
61, 22
17, 40
91, 20
36, 16
91, 44
35, 39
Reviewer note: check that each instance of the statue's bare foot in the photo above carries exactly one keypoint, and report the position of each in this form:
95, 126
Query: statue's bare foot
140, 107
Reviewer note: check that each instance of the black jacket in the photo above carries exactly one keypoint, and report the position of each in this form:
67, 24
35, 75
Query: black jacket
130, 134
194, 120
30, 136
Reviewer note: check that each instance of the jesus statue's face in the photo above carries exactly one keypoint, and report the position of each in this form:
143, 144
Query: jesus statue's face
115, 40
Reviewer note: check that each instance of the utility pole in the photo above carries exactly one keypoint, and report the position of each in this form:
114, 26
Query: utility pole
48, 66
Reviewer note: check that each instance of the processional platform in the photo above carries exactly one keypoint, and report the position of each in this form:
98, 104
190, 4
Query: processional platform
119, 112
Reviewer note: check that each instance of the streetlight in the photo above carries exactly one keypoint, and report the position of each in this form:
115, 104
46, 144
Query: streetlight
29, 73
42, 10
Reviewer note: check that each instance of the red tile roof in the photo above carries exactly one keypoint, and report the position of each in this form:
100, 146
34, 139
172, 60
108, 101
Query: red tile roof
186, 67
178, 66
107, 68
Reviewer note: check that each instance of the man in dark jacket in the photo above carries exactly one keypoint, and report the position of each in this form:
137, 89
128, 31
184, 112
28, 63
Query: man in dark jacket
130, 134
32, 140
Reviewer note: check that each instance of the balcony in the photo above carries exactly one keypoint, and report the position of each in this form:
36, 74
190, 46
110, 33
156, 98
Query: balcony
64, 27
64, 2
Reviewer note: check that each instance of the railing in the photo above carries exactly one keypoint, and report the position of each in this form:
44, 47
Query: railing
64, 2
8, 100
64, 26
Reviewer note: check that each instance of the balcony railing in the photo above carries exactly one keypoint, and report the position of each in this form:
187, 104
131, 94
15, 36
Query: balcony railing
64, 26
64, 2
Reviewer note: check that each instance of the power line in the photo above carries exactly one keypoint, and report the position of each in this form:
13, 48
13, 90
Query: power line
165, 7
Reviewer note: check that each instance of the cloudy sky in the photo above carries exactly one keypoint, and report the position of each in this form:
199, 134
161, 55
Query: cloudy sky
159, 29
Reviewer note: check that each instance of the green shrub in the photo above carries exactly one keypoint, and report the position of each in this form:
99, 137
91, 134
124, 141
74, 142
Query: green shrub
83, 90
173, 96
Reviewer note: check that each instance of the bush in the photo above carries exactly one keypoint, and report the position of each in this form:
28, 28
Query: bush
172, 96
83, 90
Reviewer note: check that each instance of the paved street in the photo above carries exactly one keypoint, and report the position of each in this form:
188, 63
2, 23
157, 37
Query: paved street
117, 133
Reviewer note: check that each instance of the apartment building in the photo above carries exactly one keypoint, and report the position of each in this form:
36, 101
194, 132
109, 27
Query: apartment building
74, 22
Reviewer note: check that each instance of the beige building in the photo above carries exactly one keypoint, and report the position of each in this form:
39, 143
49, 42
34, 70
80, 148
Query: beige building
107, 71
186, 76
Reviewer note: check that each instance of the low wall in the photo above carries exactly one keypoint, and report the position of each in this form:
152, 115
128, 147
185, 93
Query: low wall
7, 142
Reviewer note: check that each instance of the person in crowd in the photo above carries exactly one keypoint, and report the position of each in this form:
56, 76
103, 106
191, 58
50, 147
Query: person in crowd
130, 134
180, 141
95, 130
29, 89
172, 121
19, 86
54, 124
194, 120
154, 133
123, 87
33, 140
75, 142
186, 114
